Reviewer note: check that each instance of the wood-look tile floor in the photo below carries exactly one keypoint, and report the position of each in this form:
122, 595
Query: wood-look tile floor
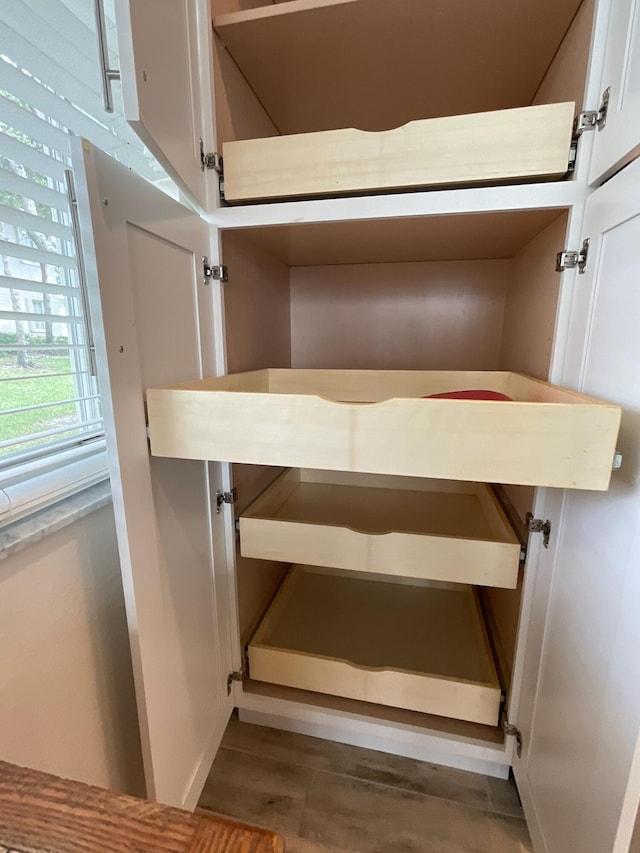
325, 797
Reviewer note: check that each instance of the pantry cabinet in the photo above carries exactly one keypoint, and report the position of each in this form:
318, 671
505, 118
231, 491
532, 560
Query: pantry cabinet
450, 579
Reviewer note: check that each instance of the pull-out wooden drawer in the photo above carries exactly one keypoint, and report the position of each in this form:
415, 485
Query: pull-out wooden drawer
375, 421
403, 526
417, 646
482, 148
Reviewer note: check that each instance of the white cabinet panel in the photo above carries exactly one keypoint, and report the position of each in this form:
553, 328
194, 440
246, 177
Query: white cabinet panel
152, 316
579, 775
165, 72
619, 141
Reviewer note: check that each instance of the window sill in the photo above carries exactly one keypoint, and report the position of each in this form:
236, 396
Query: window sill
26, 531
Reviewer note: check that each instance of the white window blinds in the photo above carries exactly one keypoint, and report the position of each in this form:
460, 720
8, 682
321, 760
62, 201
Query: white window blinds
50, 88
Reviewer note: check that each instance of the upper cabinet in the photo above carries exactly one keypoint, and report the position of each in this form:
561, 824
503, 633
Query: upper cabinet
369, 75
347, 83
165, 71
380, 95
618, 137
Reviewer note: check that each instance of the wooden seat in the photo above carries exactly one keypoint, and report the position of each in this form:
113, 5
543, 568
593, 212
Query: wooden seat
41, 812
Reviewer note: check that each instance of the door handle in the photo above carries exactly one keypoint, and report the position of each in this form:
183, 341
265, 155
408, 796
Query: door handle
82, 273
107, 74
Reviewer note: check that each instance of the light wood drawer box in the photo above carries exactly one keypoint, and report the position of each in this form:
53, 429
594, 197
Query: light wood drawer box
548, 436
482, 148
420, 646
403, 526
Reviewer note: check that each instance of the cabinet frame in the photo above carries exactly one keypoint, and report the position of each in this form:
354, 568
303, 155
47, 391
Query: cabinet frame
365, 729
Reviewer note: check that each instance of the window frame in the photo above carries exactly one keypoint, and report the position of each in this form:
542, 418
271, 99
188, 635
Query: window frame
42, 476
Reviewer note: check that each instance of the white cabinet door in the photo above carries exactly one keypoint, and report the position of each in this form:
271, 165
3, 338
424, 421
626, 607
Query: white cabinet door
580, 771
153, 321
165, 70
618, 141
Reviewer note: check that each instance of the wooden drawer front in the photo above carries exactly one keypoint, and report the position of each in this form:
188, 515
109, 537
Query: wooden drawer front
493, 147
403, 526
548, 436
417, 646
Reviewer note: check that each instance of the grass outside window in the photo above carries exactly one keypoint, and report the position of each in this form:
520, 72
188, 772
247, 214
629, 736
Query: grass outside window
40, 383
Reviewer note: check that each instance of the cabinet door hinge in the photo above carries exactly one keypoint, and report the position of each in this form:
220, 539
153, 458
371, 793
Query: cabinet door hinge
234, 676
588, 120
537, 525
568, 260
513, 731
213, 160
218, 272
225, 498
210, 160
593, 119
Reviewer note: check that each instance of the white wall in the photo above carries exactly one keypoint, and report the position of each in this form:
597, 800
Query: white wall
66, 689
635, 840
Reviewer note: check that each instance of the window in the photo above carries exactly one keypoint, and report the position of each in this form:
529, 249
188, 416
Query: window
50, 414
37, 307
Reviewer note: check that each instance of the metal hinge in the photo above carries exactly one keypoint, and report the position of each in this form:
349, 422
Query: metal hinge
568, 260
593, 119
213, 160
218, 272
234, 676
513, 731
225, 498
588, 120
236, 526
537, 525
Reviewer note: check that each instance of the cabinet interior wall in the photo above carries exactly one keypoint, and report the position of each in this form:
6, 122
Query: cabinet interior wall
554, 70
565, 78
258, 335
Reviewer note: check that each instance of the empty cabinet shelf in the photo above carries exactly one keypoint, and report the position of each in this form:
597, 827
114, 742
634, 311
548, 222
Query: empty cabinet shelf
403, 526
421, 647
375, 421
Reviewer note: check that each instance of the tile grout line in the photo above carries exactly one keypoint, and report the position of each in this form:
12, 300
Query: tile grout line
489, 797
421, 794
312, 776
